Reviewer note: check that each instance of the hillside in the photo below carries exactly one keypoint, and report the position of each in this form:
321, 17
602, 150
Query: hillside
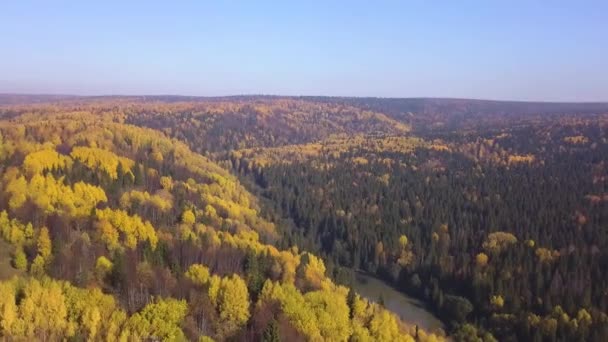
501, 224
429, 113
279, 120
118, 232
491, 213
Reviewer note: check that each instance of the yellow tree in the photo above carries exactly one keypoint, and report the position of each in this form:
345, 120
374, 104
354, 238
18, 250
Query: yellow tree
20, 259
497, 241
47, 159
332, 313
384, 327
8, 308
313, 270
166, 183
43, 310
198, 274
481, 259
497, 301
159, 321
133, 228
37, 268
188, 217
405, 256
44, 244
101, 159
231, 299
403, 241
103, 266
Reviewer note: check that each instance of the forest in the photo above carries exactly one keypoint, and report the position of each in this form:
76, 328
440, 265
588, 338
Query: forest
246, 218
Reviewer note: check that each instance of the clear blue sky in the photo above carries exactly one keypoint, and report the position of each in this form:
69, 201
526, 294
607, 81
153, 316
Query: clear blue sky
526, 50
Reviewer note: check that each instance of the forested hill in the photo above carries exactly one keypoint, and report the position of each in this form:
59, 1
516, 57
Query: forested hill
446, 106
245, 217
428, 113
220, 124
116, 232
15, 99
423, 111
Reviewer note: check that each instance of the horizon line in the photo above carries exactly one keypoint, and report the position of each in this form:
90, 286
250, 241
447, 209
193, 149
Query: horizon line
67, 96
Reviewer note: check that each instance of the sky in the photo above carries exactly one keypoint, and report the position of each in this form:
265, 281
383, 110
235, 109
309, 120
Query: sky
510, 50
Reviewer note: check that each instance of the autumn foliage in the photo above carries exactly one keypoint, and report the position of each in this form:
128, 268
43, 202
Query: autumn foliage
125, 234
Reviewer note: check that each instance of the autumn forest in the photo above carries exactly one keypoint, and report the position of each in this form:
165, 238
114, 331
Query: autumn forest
248, 218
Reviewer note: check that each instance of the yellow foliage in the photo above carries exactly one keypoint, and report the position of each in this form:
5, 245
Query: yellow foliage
497, 241
157, 156
497, 301
101, 159
103, 266
321, 314
132, 228
332, 313
325, 315
37, 268
166, 183
19, 259
188, 217
39, 161
44, 243
519, 158
52, 196
159, 321
108, 234
403, 241
383, 327
162, 202
13, 231
405, 257
198, 274
481, 259
577, 140
230, 297
331, 146
435, 236
583, 317
360, 161
545, 255
314, 270
31, 310
294, 306
438, 146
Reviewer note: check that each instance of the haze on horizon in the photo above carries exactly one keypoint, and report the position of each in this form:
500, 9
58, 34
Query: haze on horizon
519, 50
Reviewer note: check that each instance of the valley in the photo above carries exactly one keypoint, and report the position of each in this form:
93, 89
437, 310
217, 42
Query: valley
407, 308
303, 171
245, 218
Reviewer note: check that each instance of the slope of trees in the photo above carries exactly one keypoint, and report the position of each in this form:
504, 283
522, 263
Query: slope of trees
493, 213
120, 233
515, 244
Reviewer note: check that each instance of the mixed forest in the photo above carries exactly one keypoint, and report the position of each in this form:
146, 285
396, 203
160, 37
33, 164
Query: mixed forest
247, 218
